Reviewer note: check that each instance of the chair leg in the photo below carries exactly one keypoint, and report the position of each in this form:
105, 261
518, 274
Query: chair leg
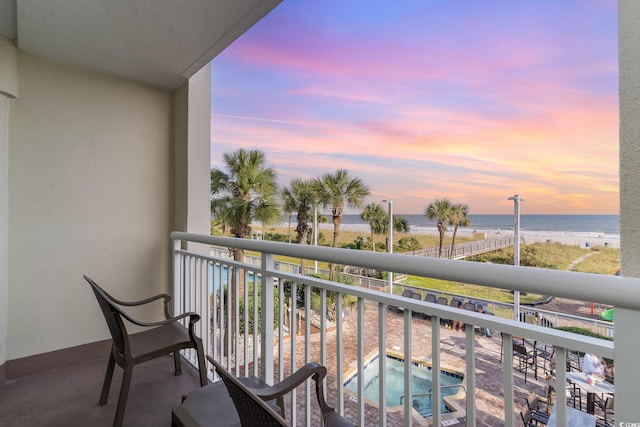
202, 364
124, 394
177, 362
107, 379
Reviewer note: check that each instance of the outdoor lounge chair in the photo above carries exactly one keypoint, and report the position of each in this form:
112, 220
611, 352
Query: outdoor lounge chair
525, 358
256, 404
417, 296
527, 418
161, 338
606, 405
407, 293
538, 413
469, 306
545, 355
432, 299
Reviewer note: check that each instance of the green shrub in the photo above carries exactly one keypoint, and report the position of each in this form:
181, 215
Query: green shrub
584, 331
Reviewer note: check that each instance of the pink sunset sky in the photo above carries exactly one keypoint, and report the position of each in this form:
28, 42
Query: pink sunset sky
470, 100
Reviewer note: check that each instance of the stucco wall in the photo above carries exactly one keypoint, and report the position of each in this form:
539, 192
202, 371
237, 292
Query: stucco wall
89, 193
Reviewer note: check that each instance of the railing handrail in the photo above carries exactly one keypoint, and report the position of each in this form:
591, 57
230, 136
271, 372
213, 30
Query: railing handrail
617, 291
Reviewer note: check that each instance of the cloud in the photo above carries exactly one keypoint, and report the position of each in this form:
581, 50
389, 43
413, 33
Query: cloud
424, 101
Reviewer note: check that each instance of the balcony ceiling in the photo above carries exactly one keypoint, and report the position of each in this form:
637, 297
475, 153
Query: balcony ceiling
159, 42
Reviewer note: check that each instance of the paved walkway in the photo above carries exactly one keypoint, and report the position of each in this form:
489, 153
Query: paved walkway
489, 373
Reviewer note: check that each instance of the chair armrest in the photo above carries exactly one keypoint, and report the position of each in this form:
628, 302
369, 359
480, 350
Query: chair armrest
311, 369
166, 298
193, 317
301, 375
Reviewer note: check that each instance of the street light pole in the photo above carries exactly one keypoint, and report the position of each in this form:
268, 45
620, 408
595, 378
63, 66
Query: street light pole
315, 235
390, 242
516, 250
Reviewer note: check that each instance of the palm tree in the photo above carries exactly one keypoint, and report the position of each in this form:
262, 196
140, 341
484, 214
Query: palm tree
245, 191
302, 197
458, 218
374, 215
339, 190
400, 224
288, 206
439, 210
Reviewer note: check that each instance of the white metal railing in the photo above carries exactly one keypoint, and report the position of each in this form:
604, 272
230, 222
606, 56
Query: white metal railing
276, 350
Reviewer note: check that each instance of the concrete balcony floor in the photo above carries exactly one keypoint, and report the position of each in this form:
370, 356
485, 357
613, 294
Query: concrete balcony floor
69, 396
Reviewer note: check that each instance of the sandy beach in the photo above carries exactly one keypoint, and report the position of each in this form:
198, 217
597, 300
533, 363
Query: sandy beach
582, 239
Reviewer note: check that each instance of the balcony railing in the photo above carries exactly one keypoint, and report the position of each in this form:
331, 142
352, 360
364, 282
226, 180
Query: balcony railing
206, 283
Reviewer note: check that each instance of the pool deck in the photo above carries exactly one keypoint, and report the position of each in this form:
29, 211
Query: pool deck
489, 373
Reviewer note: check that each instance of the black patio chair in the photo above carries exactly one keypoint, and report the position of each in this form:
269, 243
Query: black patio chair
407, 293
545, 353
527, 418
160, 338
469, 306
417, 296
536, 406
525, 358
256, 404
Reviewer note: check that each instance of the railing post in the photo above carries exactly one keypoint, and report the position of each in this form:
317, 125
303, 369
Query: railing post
267, 318
177, 270
627, 345
435, 368
507, 360
470, 377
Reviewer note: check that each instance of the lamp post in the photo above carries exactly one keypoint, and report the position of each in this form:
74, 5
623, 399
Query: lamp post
390, 242
315, 235
516, 250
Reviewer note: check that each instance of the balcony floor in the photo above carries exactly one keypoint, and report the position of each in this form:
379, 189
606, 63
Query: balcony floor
69, 396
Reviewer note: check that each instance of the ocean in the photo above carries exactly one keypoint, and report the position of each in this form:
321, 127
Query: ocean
598, 224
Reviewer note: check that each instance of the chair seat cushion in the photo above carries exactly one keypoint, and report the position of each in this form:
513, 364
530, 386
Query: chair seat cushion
211, 405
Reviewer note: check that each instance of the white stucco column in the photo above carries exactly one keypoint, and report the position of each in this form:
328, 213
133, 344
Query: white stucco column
8, 89
627, 342
192, 118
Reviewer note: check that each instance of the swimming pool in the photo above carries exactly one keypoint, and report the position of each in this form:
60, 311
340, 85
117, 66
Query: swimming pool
217, 276
421, 384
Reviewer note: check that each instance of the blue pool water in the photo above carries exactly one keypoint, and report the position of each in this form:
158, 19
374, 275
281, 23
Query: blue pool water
216, 277
421, 383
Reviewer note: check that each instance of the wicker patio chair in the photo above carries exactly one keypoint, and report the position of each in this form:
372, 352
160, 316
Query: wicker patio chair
254, 412
161, 338
256, 404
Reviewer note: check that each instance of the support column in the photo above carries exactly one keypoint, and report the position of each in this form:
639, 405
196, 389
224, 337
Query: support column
627, 335
8, 90
192, 154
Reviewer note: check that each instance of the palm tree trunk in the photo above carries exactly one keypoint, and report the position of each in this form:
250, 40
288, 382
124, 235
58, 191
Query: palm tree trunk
453, 240
336, 233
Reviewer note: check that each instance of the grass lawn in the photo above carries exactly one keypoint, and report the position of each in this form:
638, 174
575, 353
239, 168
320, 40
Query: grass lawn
542, 255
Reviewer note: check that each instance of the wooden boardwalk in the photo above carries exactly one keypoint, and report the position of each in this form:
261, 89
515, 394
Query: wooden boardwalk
466, 249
